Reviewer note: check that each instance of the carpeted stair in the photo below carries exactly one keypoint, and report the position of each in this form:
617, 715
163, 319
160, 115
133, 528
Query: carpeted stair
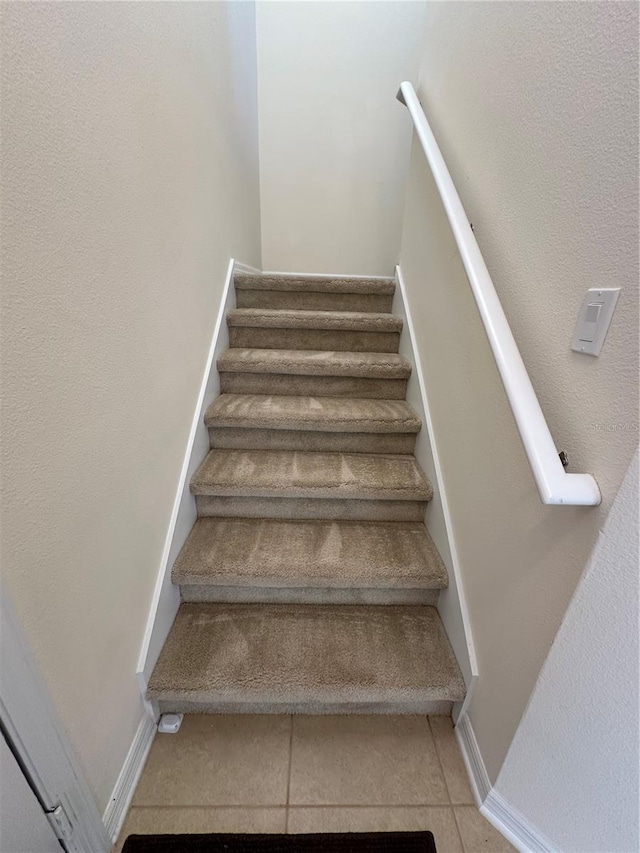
309, 580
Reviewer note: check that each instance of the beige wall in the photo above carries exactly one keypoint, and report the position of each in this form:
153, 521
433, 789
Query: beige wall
130, 176
333, 140
580, 729
535, 108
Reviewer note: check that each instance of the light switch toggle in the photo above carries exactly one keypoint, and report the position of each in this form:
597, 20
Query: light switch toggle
589, 327
594, 318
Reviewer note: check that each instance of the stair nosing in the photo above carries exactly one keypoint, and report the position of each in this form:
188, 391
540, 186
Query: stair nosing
305, 320
300, 363
304, 421
420, 490
317, 284
339, 571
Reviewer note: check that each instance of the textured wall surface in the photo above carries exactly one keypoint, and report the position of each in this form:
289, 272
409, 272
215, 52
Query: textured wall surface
580, 730
130, 176
535, 108
333, 142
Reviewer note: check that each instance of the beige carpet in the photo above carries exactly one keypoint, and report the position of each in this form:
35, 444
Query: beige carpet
329, 414
352, 321
286, 553
322, 373
319, 294
348, 364
256, 658
309, 579
346, 331
289, 474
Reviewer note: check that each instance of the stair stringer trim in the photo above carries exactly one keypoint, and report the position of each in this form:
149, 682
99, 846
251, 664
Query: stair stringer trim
452, 604
166, 596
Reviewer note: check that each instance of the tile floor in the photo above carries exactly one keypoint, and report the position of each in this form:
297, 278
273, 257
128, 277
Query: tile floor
311, 774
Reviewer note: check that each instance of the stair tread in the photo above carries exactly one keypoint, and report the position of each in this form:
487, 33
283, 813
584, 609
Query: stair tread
316, 654
370, 365
287, 553
317, 284
280, 318
282, 473
328, 414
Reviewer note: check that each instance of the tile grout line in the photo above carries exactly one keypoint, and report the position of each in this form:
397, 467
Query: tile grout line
439, 760
444, 775
455, 819
273, 806
374, 806
286, 814
264, 806
446, 784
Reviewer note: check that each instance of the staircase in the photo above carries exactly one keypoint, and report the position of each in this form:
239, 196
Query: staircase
309, 580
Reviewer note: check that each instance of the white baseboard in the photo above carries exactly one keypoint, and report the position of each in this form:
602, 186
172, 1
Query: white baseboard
513, 825
451, 602
166, 598
506, 819
476, 770
122, 794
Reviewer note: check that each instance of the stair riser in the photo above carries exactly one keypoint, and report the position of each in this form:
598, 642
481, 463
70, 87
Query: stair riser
310, 508
285, 439
312, 708
309, 301
332, 340
313, 386
304, 595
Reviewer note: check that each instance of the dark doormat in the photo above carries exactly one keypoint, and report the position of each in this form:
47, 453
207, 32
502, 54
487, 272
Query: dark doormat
344, 842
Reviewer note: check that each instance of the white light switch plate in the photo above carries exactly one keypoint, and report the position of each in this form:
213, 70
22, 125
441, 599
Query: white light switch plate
594, 318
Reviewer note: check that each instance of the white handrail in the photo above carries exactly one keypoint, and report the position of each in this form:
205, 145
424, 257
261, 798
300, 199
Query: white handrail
555, 485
